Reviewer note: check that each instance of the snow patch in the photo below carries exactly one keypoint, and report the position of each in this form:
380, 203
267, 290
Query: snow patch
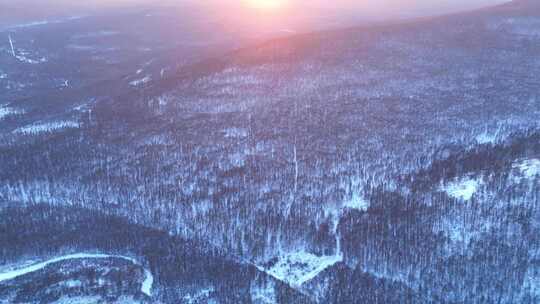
30, 24
300, 267
80, 300
138, 82
486, 138
531, 282
357, 202
263, 293
97, 34
235, 132
523, 26
202, 296
146, 287
463, 188
459, 233
48, 127
44, 22
73, 283
23, 55
528, 168
148, 282
7, 111
80, 47
25, 59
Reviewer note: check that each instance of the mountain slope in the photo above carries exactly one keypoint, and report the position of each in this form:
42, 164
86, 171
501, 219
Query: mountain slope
341, 145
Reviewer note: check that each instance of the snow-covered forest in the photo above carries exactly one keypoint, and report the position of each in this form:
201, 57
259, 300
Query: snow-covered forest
381, 164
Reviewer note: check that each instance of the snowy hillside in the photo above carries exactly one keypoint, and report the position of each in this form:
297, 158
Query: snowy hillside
390, 163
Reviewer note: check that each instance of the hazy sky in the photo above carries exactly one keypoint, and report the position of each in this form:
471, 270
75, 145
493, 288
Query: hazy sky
368, 5
382, 7
12, 11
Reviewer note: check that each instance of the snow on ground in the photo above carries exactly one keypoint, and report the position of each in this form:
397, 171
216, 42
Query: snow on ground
201, 296
79, 47
7, 111
141, 81
79, 300
30, 24
73, 283
148, 282
235, 132
529, 168
357, 202
25, 59
522, 26
457, 232
531, 282
97, 34
48, 127
95, 300
461, 234
463, 188
264, 293
146, 287
486, 138
25, 56
300, 267
43, 22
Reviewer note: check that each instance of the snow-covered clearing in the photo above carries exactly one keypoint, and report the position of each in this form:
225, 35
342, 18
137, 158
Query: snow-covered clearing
47, 127
463, 188
146, 286
300, 267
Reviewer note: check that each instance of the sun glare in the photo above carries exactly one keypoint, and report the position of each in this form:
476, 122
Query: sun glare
266, 4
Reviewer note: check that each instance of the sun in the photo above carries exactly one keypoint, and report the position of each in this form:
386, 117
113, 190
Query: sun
266, 4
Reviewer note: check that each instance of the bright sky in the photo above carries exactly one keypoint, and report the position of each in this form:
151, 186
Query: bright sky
369, 5
18, 10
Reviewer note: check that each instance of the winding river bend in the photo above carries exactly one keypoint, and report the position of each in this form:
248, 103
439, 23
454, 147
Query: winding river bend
146, 286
